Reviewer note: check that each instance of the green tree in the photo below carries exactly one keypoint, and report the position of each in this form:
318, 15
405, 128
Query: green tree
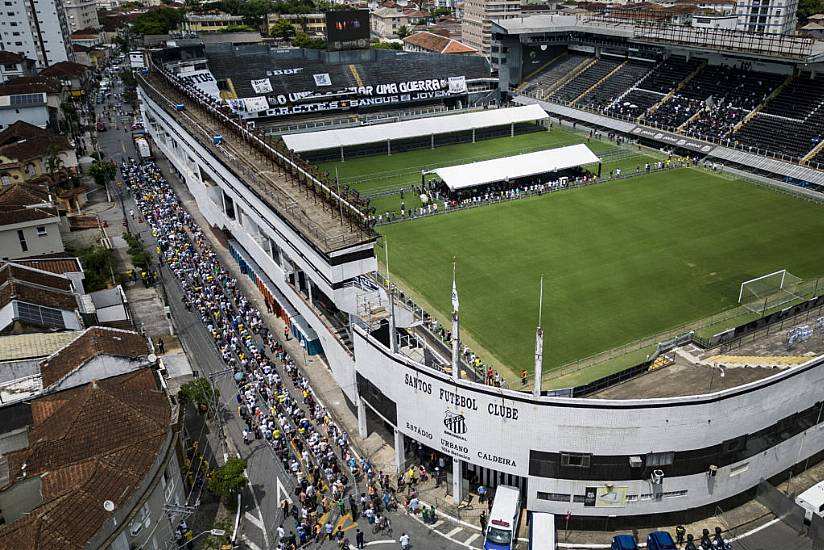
229, 479
103, 171
806, 8
385, 45
303, 40
96, 262
53, 161
402, 31
255, 10
158, 21
199, 392
282, 29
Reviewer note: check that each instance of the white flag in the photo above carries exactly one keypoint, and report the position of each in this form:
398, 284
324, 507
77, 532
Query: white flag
454, 294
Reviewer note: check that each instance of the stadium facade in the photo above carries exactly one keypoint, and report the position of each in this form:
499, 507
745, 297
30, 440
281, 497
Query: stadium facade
605, 462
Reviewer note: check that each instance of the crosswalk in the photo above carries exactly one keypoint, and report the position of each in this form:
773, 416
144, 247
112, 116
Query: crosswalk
462, 535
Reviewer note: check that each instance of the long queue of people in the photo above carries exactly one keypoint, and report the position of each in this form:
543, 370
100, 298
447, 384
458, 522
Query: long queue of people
299, 430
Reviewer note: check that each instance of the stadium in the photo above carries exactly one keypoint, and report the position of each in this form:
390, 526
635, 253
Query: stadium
644, 197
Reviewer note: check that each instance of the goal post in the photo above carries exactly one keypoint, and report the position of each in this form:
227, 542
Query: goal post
768, 291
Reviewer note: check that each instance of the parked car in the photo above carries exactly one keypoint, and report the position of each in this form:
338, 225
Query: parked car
623, 542
660, 540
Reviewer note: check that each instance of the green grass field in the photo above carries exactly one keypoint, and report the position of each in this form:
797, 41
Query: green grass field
389, 173
621, 261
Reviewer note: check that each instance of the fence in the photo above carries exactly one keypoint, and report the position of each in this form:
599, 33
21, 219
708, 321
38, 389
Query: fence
739, 317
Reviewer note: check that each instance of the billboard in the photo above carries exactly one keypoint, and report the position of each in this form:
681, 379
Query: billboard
347, 30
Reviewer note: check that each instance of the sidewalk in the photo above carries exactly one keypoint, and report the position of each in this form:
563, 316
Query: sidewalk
315, 369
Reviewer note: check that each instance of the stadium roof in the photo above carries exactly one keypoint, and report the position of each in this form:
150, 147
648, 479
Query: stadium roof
362, 135
518, 166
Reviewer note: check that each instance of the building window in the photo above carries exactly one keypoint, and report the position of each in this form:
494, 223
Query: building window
41, 231
23, 246
555, 497
660, 459
575, 460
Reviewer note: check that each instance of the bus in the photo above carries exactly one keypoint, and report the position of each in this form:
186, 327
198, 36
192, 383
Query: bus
502, 529
542, 532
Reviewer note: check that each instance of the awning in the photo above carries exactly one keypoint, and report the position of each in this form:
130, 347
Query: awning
244, 258
437, 125
518, 166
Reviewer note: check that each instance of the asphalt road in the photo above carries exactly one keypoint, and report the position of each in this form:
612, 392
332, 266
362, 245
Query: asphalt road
268, 481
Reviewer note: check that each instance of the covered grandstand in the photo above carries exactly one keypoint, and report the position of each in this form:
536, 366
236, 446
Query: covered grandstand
476, 174
416, 134
263, 83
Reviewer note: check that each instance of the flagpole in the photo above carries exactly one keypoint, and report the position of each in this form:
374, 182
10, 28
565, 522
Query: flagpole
455, 329
393, 343
539, 345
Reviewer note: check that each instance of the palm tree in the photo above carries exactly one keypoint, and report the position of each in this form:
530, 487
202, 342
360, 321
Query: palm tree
53, 161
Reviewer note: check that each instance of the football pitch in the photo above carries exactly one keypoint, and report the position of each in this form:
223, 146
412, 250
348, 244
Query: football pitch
380, 177
621, 261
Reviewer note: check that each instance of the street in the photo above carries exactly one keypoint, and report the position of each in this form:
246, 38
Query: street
269, 482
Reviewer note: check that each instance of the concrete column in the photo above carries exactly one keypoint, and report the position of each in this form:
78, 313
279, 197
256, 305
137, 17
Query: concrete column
309, 288
512, 129
341, 153
388, 147
400, 452
457, 481
362, 431
473, 135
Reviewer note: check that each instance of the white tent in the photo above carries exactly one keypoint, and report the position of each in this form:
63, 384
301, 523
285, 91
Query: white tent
421, 127
519, 166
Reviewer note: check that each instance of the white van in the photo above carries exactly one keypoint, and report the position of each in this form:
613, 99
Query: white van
502, 529
542, 532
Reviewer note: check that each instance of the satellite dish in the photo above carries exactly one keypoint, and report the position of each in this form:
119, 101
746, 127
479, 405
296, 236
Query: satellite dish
152, 358
108, 505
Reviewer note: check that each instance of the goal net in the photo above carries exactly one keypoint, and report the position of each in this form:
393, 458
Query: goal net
768, 291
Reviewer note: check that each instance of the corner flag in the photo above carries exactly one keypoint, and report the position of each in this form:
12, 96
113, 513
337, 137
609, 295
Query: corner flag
454, 291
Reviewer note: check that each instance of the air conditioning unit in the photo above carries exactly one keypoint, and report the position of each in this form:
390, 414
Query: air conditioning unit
712, 471
657, 477
635, 462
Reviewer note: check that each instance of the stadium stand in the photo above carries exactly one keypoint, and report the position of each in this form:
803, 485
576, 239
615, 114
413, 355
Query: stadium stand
669, 74
791, 123
634, 104
554, 73
585, 80
719, 97
652, 88
618, 83
291, 74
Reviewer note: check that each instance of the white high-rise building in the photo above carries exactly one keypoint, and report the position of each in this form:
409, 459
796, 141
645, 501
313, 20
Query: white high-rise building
36, 29
766, 16
476, 28
81, 14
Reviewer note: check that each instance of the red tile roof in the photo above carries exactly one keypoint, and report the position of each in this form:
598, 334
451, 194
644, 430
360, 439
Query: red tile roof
436, 43
22, 141
32, 275
90, 444
53, 265
92, 342
65, 69
8, 58
31, 85
21, 203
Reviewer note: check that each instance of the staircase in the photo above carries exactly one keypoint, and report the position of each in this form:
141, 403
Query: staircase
583, 66
526, 79
675, 90
761, 105
612, 72
356, 75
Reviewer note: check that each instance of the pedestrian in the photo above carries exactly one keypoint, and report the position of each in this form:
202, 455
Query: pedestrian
523, 377
482, 520
404, 540
161, 347
286, 333
281, 532
359, 539
131, 212
327, 529
245, 437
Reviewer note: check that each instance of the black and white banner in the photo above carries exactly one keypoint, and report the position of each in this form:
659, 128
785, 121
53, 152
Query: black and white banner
262, 86
457, 84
